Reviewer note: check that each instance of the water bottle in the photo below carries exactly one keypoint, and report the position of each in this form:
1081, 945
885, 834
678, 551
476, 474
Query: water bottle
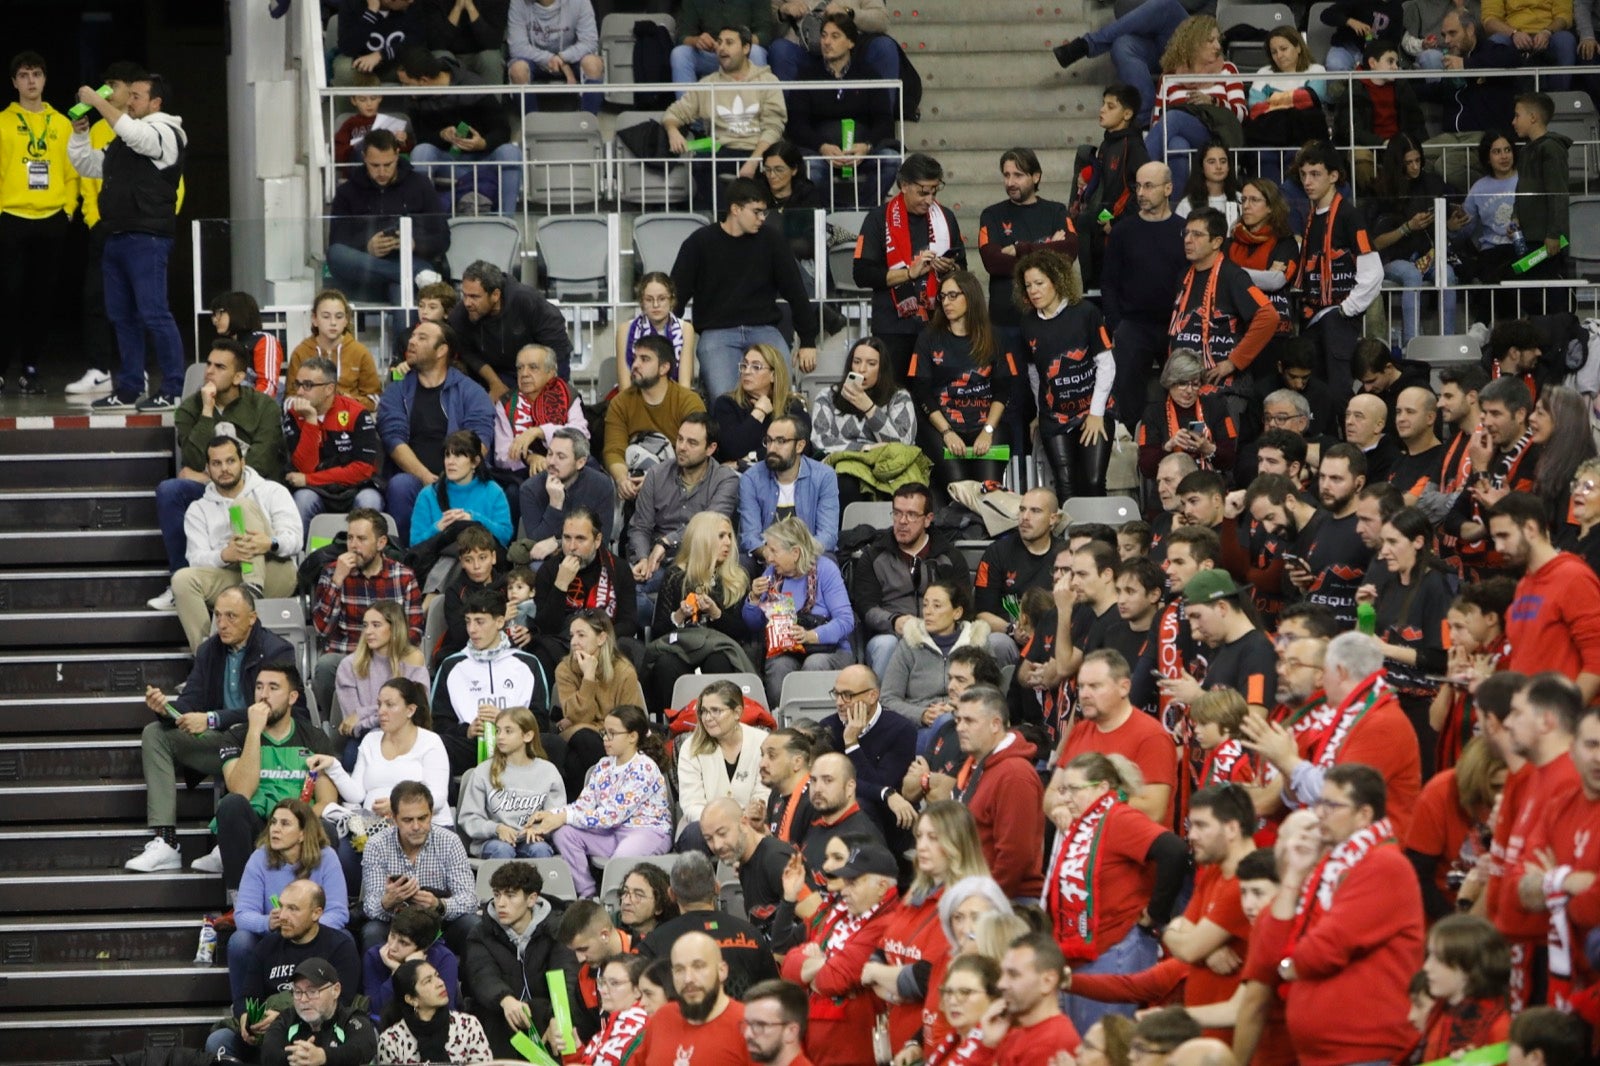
486, 742
1367, 619
206, 953
1518, 241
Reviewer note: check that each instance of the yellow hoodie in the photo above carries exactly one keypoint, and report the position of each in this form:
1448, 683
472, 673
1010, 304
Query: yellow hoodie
40, 139
100, 135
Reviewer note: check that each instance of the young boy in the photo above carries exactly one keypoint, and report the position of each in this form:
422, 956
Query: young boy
1544, 1036
1477, 648
1216, 716
1109, 185
414, 934
1543, 201
519, 598
1339, 273
1377, 108
352, 134
436, 301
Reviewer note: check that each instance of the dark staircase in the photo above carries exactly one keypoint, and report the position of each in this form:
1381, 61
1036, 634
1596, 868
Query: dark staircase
93, 960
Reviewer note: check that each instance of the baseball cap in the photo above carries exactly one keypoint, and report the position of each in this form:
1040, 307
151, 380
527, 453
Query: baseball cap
867, 859
1210, 585
318, 971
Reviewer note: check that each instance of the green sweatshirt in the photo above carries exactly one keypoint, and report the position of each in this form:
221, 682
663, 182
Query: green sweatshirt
258, 423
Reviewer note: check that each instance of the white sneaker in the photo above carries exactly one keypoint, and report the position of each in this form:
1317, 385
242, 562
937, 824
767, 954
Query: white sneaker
164, 602
157, 855
92, 381
209, 863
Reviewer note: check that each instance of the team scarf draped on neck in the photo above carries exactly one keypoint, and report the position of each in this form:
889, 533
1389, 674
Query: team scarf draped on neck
1203, 462
1326, 274
920, 297
549, 408
1317, 895
1208, 308
1325, 750
1075, 882
842, 925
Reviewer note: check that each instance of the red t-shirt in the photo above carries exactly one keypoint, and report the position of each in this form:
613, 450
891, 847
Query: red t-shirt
670, 1040
1439, 827
1125, 879
1141, 739
1567, 825
912, 934
1033, 1044
1216, 899
1543, 785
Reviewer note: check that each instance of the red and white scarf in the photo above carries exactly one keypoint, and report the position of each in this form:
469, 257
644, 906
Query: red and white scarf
1075, 883
909, 302
1348, 714
835, 934
550, 407
1223, 760
1317, 895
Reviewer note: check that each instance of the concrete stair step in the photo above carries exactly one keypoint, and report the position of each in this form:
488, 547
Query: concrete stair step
87, 847
94, 1034
81, 469
84, 938
97, 507
976, 135
43, 759
54, 894
80, 589
1025, 70
923, 39
936, 12
71, 715
92, 799
112, 983
31, 676
94, 547
1000, 106
87, 628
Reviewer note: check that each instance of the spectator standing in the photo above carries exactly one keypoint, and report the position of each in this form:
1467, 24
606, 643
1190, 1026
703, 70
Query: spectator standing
1033, 1026
1554, 622
497, 318
699, 23
703, 1016
1219, 311
364, 230
1543, 202
1339, 272
554, 41
1111, 726
1144, 264
1014, 228
743, 946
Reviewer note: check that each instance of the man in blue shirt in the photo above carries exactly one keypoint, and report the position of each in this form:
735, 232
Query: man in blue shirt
788, 483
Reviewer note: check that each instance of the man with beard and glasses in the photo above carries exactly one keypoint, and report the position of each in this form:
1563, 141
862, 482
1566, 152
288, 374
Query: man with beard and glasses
788, 483
358, 577
775, 1024
569, 482
1503, 458
834, 809
585, 576
704, 1023
1328, 561
654, 407
1554, 621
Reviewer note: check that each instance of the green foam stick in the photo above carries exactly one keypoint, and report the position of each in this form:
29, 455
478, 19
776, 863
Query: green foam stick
274, 901
236, 516
557, 982
1489, 1055
530, 1049
703, 144
1000, 453
173, 711
319, 542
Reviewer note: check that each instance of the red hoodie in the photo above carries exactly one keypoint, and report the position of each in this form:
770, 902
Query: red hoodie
1554, 623
1007, 802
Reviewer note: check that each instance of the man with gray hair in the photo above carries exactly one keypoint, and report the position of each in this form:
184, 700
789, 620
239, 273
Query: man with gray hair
497, 317
527, 419
332, 444
568, 481
1367, 726
744, 947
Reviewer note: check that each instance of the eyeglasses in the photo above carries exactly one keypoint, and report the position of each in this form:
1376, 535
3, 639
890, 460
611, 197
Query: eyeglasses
615, 983
306, 386
1184, 385
777, 442
635, 893
924, 190
762, 1027
309, 993
779, 168
755, 366
1297, 664
707, 709
1322, 806
839, 694
1086, 786
908, 516
1586, 486
1280, 420
951, 294
609, 735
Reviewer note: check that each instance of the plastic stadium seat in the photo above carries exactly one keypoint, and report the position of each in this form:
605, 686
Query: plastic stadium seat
432, 627
876, 513
556, 873
287, 618
565, 154
689, 686
1443, 351
841, 259
807, 694
194, 376
647, 185
1319, 35
326, 526
1110, 510
572, 251
1250, 54
1585, 225
616, 47
657, 238
1576, 117
491, 238
617, 870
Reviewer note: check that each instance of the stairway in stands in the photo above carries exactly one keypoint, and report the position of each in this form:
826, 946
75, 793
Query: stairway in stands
990, 83
93, 960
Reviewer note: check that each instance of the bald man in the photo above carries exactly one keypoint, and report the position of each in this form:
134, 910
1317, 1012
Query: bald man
878, 742
1144, 265
1416, 411
1365, 420
703, 1018
759, 858
833, 802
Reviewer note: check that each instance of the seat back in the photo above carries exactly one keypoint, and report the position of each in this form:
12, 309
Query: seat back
1576, 117
326, 526
572, 254
657, 238
876, 513
1444, 351
807, 694
564, 150
1110, 510
841, 259
491, 238
647, 185
1251, 52
555, 872
689, 686
617, 869
616, 47
1585, 226
1319, 35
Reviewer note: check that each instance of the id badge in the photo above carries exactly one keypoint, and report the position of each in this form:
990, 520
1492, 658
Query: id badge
38, 175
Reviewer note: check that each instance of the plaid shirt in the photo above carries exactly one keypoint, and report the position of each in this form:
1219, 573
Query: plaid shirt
338, 611
442, 863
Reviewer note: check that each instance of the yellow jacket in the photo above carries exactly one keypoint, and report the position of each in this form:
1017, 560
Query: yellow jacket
100, 135
26, 137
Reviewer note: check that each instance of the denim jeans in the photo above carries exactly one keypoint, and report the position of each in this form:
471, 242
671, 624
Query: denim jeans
1184, 137
718, 352
501, 184
690, 64
135, 271
311, 503
791, 61
499, 849
874, 176
402, 492
1132, 954
1136, 41
364, 276
173, 497
1404, 272
1342, 57
1562, 51
880, 649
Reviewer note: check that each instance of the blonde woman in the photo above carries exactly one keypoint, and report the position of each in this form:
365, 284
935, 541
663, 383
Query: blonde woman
947, 850
700, 594
763, 393
800, 603
333, 337
594, 677
384, 653
720, 742
499, 797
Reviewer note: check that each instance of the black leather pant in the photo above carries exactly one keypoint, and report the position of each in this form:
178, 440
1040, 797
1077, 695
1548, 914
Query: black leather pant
1079, 469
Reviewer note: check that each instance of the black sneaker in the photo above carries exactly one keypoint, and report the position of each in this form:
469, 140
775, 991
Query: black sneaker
112, 403
158, 403
1070, 52
28, 385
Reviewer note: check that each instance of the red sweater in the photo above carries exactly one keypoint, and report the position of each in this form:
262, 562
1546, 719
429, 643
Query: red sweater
1362, 950
1386, 741
842, 1013
912, 934
1543, 784
1554, 623
1008, 805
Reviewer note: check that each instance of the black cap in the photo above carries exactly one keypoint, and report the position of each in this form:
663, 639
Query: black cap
867, 859
318, 971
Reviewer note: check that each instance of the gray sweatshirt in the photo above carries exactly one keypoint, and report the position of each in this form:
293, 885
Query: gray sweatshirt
566, 28
523, 790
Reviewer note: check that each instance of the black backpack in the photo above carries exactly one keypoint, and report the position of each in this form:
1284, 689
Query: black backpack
652, 61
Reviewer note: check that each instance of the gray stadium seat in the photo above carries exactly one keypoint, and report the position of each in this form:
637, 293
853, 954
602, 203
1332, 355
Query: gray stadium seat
1111, 510
565, 155
1443, 351
616, 47
572, 249
876, 513
1248, 55
616, 871
556, 873
657, 238
491, 238
689, 687
648, 185
326, 526
807, 694
1575, 116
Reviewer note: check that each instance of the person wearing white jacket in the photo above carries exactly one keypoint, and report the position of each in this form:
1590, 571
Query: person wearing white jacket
262, 557
721, 758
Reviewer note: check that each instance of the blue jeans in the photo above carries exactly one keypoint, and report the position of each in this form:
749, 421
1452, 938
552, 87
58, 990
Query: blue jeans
791, 61
1132, 954
134, 268
691, 64
499, 849
874, 177
312, 504
1342, 57
1136, 41
718, 352
880, 649
364, 276
1186, 135
228, 1041
502, 184
173, 497
402, 493
1562, 51
1404, 272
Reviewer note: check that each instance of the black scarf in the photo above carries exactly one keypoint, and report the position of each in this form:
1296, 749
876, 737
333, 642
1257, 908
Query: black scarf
432, 1036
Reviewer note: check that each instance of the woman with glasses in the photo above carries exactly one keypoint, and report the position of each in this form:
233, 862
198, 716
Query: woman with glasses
1070, 351
420, 1027
698, 624
622, 1015
1262, 243
971, 986
962, 907
866, 409
656, 295
1105, 905
914, 946
384, 653
722, 758
801, 604
1560, 424
1583, 538
646, 900
1188, 419
625, 808
960, 379
762, 394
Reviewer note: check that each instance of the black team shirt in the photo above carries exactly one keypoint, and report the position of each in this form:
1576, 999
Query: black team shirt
1029, 227
1008, 568
1338, 561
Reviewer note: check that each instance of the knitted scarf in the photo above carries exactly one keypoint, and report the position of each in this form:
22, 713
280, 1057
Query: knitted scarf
1325, 749
1317, 895
1074, 883
913, 299
548, 408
